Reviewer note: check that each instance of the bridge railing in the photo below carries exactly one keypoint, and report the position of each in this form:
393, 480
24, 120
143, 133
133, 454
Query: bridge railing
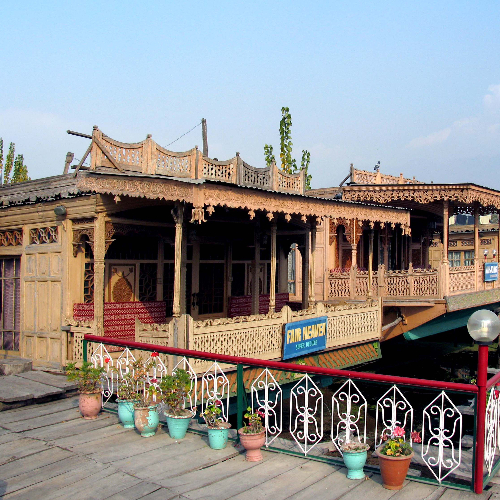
312, 410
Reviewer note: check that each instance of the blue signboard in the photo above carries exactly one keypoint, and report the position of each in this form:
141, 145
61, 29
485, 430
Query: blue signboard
490, 271
304, 337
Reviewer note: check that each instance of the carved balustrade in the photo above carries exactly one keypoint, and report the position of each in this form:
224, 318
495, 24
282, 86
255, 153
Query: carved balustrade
353, 283
462, 279
148, 157
261, 336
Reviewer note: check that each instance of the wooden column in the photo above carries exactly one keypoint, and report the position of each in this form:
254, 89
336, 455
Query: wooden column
446, 221
476, 243
305, 269
183, 269
272, 281
178, 215
255, 268
312, 262
99, 253
370, 263
386, 248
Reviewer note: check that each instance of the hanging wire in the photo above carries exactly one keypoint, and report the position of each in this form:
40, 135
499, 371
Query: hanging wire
183, 134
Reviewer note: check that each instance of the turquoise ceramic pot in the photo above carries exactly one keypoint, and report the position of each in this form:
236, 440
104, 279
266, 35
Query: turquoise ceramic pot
355, 461
177, 426
126, 413
217, 438
146, 420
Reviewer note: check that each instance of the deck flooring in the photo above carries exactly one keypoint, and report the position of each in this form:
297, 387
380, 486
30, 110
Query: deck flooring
48, 452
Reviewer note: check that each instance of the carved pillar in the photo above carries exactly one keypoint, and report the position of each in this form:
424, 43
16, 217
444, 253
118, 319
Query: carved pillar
99, 253
255, 268
446, 220
370, 263
476, 242
305, 268
272, 281
386, 248
178, 215
183, 269
312, 261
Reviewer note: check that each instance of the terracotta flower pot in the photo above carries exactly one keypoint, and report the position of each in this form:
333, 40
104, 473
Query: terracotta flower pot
90, 404
252, 443
393, 469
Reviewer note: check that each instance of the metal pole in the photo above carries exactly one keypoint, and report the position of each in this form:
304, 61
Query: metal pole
482, 367
240, 397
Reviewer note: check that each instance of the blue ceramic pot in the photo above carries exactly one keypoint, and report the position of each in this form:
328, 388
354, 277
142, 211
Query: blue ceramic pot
126, 413
355, 461
217, 438
177, 426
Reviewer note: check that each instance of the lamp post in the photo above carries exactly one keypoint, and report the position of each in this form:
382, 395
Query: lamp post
483, 327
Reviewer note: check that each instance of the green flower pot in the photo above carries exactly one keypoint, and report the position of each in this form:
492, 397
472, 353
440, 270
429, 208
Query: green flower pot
217, 438
177, 426
355, 461
126, 413
146, 420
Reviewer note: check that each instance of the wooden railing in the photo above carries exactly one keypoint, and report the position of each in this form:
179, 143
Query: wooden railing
354, 283
148, 157
261, 336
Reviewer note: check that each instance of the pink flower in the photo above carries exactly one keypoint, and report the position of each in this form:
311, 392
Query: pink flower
384, 436
107, 360
154, 380
415, 437
154, 354
398, 432
496, 393
261, 414
218, 403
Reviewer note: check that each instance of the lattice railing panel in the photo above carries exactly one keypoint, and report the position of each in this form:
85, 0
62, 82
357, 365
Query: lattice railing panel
462, 278
251, 176
169, 164
219, 171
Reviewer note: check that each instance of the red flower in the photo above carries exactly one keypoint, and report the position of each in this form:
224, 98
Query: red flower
218, 403
154, 354
415, 437
261, 414
496, 393
154, 380
107, 360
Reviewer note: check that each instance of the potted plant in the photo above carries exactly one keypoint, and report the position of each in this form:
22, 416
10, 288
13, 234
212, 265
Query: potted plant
253, 435
88, 379
127, 398
174, 393
354, 454
395, 455
218, 429
146, 418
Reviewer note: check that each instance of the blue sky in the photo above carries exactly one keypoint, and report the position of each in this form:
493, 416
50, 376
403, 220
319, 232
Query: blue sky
414, 85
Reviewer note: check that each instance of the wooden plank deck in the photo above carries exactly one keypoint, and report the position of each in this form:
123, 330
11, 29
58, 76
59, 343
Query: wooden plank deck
48, 452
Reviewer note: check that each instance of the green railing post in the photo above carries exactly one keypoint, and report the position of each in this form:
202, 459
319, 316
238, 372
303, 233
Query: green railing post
85, 342
240, 397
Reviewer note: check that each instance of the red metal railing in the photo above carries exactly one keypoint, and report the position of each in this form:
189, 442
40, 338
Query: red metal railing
479, 390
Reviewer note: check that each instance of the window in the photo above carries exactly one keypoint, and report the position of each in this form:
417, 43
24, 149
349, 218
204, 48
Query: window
469, 258
10, 303
454, 258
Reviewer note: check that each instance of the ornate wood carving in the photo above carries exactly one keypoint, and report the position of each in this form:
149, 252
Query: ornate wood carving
235, 197
425, 193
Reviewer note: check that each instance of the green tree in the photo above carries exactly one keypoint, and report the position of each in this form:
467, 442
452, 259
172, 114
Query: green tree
13, 165
1, 161
9, 163
288, 164
268, 155
20, 173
